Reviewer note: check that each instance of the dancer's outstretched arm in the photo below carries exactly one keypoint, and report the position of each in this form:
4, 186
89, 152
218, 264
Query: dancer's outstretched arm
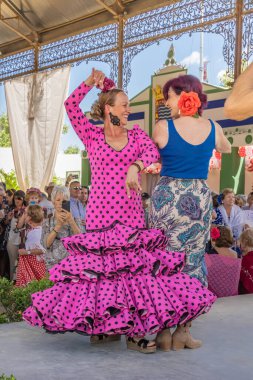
239, 104
81, 124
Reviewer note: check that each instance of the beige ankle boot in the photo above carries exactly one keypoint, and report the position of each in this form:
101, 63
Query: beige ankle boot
182, 338
164, 340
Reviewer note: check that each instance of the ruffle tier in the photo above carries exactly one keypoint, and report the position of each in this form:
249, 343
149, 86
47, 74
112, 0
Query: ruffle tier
112, 253
118, 281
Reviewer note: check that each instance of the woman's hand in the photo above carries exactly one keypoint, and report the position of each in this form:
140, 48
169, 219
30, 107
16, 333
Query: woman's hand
68, 216
60, 217
96, 78
10, 216
22, 252
132, 181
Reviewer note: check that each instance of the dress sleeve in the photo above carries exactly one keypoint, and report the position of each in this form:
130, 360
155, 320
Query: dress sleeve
148, 152
82, 126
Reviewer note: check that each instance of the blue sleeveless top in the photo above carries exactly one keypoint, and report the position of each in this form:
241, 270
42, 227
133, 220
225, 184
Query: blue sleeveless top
181, 159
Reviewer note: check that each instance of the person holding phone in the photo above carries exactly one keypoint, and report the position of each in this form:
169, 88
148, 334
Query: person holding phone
13, 232
61, 224
76, 207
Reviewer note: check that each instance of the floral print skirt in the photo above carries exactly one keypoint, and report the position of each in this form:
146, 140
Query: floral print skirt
182, 209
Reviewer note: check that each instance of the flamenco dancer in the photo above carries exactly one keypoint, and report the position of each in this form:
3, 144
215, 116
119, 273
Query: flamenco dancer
181, 204
118, 278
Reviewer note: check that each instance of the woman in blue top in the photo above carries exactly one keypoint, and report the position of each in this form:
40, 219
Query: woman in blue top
181, 204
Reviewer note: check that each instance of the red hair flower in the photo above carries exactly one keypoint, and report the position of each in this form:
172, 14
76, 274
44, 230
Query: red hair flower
107, 85
189, 103
215, 233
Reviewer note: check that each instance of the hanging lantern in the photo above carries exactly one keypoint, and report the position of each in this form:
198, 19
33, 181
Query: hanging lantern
242, 151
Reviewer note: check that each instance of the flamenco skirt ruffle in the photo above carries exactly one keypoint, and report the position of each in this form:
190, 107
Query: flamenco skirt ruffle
118, 281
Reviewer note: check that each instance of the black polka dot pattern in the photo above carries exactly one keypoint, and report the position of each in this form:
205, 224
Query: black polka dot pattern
118, 277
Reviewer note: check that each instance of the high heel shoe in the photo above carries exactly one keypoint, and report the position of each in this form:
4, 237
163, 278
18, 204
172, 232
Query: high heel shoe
141, 345
164, 340
182, 338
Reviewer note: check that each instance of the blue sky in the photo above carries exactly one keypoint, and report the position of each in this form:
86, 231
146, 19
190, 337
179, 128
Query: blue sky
146, 64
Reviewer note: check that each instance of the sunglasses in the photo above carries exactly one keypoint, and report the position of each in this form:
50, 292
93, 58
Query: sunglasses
76, 188
19, 198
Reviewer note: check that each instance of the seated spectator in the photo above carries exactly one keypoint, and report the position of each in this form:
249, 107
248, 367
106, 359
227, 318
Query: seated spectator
240, 200
223, 266
46, 205
222, 241
231, 214
48, 189
76, 208
249, 205
60, 225
246, 276
32, 198
84, 195
10, 197
31, 263
4, 234
14, 234
216, 214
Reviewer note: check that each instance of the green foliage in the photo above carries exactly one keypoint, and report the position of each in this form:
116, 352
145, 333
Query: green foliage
16, 300
4, 377
57, 180
72, 149
227, 79
5, 138
9, 178
65, 129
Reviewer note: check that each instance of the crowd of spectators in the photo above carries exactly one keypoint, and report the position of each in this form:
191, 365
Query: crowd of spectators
32, 225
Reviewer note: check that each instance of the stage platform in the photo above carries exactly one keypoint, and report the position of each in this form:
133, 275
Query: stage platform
227, 353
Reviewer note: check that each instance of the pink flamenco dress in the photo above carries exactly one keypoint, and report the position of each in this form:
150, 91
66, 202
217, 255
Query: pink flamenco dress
118, 278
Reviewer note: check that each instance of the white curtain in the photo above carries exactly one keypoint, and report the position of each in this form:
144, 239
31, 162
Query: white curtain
35, 112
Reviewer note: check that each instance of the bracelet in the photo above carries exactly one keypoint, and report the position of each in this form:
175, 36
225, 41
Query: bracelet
137, 165
56, 232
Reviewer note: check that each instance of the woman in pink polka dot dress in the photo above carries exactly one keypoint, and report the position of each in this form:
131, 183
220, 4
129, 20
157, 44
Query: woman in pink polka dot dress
117, 279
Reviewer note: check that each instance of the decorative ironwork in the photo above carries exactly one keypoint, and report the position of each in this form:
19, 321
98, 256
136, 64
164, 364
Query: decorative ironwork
173, 20
81, 45
227, 31
247, 38
129, 54
248, 5
175, 17
20, 63
110, 58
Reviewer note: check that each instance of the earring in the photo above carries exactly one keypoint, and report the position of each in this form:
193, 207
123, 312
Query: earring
114, 119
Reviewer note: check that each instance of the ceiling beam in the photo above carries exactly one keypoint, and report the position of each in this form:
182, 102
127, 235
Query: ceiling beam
109, 9
18, 13
120, 5
32, 39
86, 22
